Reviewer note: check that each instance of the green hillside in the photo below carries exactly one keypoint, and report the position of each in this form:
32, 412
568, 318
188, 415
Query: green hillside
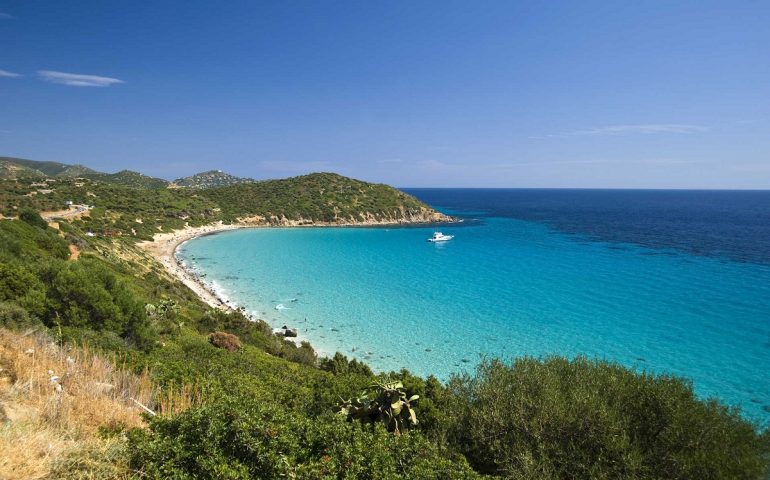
51, 169
210, 179
13, 167
326, 197
128, 178
235, 401
12, 170
136, 206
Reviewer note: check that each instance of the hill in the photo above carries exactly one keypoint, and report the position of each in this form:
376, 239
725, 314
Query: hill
321, 197
132, 205
11, 168
51, 169
128, 178
210, 179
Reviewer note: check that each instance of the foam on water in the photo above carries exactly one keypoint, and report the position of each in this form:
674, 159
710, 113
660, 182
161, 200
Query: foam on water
504, 287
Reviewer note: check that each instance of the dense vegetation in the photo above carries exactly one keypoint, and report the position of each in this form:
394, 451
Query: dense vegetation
210, 179
50, 169
127, 178
320, 196
129, 204
259, 406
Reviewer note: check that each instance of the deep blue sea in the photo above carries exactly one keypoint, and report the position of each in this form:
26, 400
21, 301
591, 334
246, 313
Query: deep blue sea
663, 281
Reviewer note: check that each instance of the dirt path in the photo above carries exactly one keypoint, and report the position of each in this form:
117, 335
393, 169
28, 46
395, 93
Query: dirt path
74, 211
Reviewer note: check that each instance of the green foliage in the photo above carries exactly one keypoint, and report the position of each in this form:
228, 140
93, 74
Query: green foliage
48, 168
266, 407
240, 438
82, 294
15, 317
130, 205
324, 197
127, 178
382, 402
210, 179
339, 364
33, 218
560, 419
85, 294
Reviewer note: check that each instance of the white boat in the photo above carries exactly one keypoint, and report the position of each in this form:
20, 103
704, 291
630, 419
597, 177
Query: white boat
440, 237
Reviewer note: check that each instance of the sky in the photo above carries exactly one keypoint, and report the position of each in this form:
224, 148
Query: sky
651, 94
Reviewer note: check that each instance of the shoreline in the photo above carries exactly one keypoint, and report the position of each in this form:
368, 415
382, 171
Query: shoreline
163, 248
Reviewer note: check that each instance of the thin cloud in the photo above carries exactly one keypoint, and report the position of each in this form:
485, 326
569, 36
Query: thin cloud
77, 79
636, 129
6, 73
6, 16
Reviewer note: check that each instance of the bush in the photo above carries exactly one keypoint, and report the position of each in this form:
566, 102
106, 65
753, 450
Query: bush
85, 294
239, 438
340, 365
14, 317
559, 419
30, 216
227, 341
304, 353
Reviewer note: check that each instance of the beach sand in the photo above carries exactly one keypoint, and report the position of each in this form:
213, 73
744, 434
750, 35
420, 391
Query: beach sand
164, 245
163, 249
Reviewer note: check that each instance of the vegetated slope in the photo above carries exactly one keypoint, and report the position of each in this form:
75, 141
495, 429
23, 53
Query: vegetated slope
265, 409
320, 197
11, 167
140, 212
128, 178
210, 179
51, 169
11, 171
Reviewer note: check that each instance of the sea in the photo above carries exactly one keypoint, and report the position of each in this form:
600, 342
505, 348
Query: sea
662, 281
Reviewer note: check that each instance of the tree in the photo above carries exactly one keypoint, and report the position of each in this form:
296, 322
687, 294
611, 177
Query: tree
564, 419
33, 218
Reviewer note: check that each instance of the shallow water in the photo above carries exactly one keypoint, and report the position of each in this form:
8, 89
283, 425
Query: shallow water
504, 287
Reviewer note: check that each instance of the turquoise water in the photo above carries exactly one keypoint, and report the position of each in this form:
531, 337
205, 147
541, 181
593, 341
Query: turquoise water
504, 287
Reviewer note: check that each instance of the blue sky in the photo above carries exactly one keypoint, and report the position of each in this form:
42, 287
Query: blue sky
485, 94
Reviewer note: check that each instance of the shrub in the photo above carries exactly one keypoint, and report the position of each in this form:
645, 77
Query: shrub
228, 341
240, 438
14, 317
340, 365
304, 353
558, 419
30, 216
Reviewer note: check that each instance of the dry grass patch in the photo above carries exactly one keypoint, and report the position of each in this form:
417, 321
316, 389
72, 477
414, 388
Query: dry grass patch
54, 400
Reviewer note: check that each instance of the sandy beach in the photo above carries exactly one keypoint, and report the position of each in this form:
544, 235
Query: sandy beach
163, 249
163, 246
